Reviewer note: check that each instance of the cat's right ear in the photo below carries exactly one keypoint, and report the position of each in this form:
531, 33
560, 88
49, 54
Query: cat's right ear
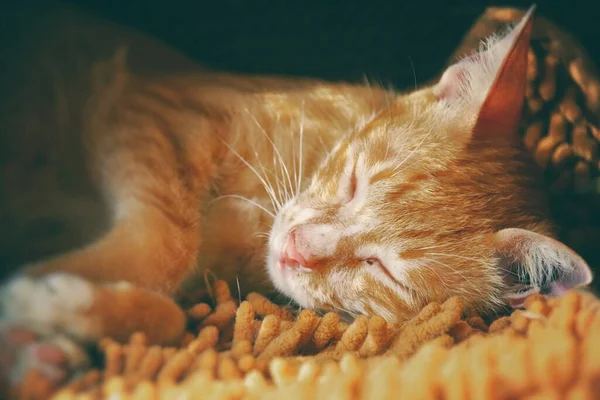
489, 87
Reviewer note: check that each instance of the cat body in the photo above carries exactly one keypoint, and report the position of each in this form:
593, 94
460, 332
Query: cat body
197, 124
142, 172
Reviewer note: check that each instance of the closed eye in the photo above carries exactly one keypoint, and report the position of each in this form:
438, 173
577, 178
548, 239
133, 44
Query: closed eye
352, 187
374, 261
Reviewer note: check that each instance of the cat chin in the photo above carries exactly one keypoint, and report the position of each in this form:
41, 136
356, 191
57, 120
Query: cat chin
277, 275
286, 281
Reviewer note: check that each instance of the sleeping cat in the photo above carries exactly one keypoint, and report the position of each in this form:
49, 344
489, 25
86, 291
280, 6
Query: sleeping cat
343, 197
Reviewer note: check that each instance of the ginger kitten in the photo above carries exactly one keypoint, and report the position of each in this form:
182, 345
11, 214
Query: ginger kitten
343, 197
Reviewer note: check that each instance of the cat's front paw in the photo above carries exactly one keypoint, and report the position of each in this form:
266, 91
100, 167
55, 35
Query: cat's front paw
43, 324
55, 357
54, 303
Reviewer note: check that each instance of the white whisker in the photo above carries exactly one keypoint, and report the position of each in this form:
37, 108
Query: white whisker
457, 256
341, 309
322, 143
412, 65
282, 164
294, 163
386, 97
273, 173
387, 150
239, 290
289, 302
299, 180
268, 188
477, 289
423, 264
235, 196
436, 246
413, 151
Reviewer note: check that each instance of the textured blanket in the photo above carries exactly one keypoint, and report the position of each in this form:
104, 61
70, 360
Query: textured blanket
260, 350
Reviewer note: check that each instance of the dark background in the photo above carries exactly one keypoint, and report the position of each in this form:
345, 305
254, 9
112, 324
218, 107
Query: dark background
338, 40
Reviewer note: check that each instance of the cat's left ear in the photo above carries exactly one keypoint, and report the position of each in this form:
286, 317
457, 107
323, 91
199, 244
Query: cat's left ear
490, 85
534, 263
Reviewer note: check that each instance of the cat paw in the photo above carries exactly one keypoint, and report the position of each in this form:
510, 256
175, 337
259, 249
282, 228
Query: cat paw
43, 322
54, 303
53, 357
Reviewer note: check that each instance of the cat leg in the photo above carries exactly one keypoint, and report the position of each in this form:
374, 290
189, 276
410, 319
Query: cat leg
149, 251
62, 303
54, 356
121, 283
141, 260
114, 287
60, 314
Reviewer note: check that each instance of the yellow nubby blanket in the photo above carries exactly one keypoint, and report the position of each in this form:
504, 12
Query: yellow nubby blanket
260, 350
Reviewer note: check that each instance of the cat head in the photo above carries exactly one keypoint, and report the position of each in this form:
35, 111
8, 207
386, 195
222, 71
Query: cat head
432, 198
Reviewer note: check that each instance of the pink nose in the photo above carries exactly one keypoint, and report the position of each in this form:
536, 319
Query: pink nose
291, 256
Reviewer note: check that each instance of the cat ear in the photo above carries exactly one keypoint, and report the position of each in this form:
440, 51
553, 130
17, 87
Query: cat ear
491, 83
534, 263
